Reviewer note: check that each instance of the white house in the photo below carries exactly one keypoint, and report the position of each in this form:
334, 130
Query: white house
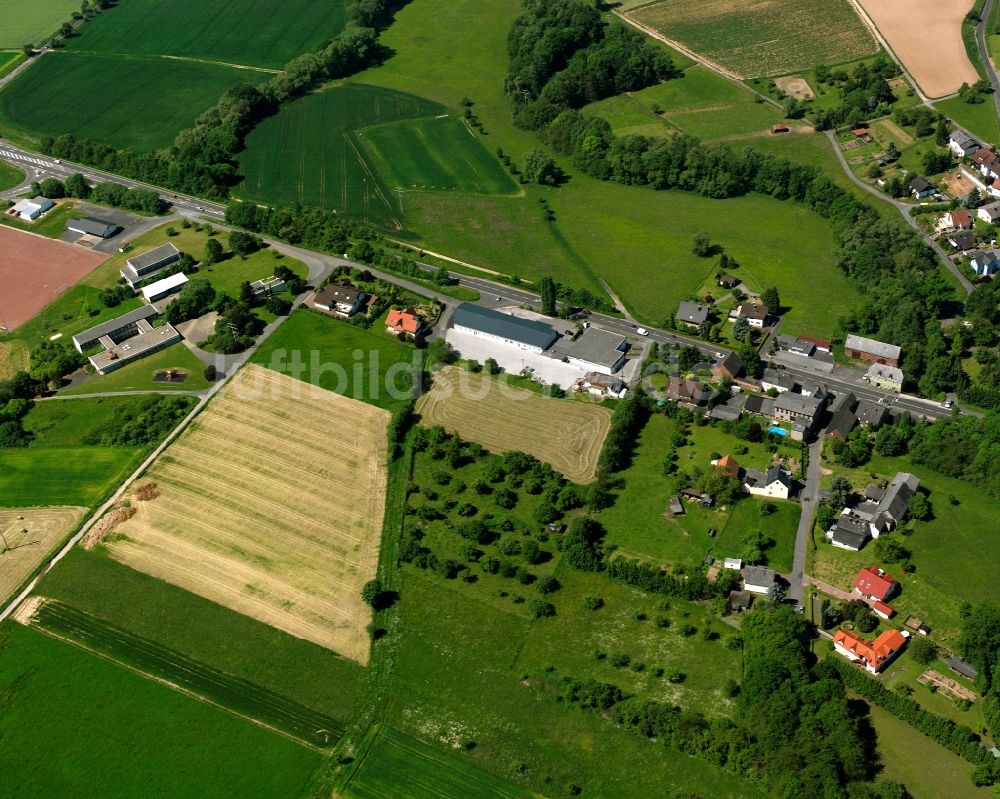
888, 377
962, 144
342, 300
144, 265
758, 579
921, 187
989, 213
30, 210
775, 482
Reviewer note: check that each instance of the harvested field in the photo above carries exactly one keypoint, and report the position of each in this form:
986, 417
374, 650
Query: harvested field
567, 435
926, 35
31, 533
270, 504
34, 271
759, 38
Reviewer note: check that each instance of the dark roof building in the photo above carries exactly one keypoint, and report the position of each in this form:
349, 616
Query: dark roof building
90, 226
898, 495
113, 328
692, 313
851, 532
870, 414
729, 367
503, 327
961, 668
867, 349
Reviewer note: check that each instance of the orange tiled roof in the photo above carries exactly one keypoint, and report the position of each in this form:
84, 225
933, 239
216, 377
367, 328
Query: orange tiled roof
402, 321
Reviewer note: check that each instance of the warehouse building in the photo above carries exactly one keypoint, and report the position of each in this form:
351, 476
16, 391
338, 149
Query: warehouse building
89, 226
142, 266
526, 334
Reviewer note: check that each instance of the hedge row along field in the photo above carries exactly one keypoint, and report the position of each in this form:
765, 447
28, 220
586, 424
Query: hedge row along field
217, 31
144, 106
752, 40
314, 152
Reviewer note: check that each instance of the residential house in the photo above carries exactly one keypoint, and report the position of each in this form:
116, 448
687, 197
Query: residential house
341, 299
403, 323
962, 240
728, 367
730, 410
792, 407
874, 655
962, 144
958, 219
867, 349
888, 377
896, 500
739, 601
874, 516
849, 532
753, 310
843, 419
990, 212
984, 160
874, 583
871, 414
602, 385
778, 379
984, 263
728, 281
692, 314
687, 391
775, 482
759, 579
729, 465
994, 188
920, 188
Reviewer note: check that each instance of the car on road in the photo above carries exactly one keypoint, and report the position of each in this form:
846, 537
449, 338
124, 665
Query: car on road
642, 331
199, 208
499, 298
719, 355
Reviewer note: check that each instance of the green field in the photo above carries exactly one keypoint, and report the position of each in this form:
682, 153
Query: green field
341, 357
57, 423
293, 668
120, 735
780, 526
138, 376
401, 767
30, 24
137, 110
10, 176
440, 154
63, 475
979, 118
755, 40
252, 32
314, 152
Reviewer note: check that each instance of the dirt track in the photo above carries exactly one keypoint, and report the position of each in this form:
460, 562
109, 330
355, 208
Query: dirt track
926, 35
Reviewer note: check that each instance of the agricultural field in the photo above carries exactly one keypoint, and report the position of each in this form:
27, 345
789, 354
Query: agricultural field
35, 272
30, 535
926, 35
441, 153
399, 766
314, 151
374, 367
222, 32
308, 533
566, 435
54, 97
23, 24
756, 40
120, 735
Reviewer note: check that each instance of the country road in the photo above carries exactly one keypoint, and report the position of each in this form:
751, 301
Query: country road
981, 34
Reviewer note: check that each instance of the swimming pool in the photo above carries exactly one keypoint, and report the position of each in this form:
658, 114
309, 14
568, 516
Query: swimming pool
778, 431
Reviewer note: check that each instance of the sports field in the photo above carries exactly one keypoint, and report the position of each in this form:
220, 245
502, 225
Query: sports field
566, 435
29, 23
251, 32
764, 37
289, 546
35, 271
30, 534
149, 101
120, 736
926, 35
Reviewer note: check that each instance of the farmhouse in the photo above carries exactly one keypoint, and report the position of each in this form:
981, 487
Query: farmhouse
875, 655
792, 407
125, 339
595, 350
753, 310
775, 482
692, 314
759, 579
89, 226
989, 213
164, 288
148, 263
526, 334
342, 300
850, 532
881, 511
888, 377
728, 367
867, 349
874, 583
403, 323
921, 187
30, 210
962, 144
728, 281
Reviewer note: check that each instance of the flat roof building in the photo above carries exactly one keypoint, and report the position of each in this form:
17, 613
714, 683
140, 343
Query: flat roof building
163, 288
595, 350
118, 328
148, 263
487, 323
148, 340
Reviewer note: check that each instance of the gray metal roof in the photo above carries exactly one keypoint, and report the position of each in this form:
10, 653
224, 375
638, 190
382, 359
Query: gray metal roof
486, 320
692, 312
154, 256
898, 495
758, 575
599, 346
797, 403
95, 332
92, 226
872, 347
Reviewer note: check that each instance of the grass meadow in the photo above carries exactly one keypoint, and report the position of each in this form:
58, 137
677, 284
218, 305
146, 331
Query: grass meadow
63, 475
138, 376
10, 176
367, 359
754, 41
136, 109
120, 735
182, 622
23, 24
979, 118
401, 767
255, 32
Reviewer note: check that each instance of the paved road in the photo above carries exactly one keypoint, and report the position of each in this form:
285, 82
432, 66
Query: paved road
904, 210
807, 498
981, 34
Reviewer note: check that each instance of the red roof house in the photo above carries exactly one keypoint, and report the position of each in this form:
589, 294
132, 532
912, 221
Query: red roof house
729, 465
877, 654
883, 610
876, 584
398, 322
959, 218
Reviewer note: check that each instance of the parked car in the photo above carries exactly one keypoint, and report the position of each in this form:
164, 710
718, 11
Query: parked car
642, 331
